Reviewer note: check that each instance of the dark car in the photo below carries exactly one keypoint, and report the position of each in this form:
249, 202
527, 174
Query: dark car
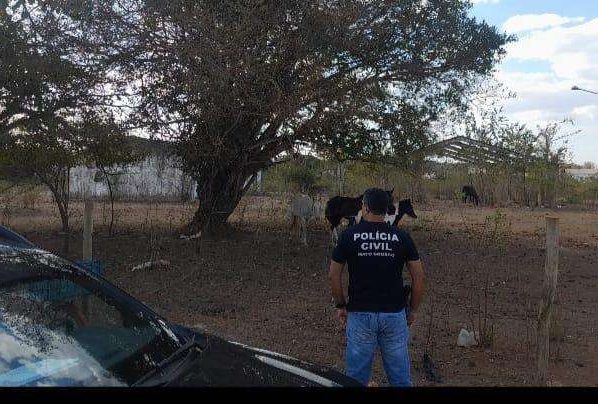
61, 325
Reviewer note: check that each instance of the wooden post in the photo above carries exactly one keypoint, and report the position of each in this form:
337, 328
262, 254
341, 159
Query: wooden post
87, 247
88, 231
551, 270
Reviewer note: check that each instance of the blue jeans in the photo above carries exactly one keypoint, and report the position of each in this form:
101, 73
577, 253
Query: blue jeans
389, 332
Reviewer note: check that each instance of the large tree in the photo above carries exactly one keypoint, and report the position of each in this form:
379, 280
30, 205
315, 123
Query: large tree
237, 83
112, 153
51, 116
40, 92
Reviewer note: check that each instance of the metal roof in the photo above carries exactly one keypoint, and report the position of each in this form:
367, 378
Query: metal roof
473, 151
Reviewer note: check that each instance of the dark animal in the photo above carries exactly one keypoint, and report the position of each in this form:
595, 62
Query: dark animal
470, 194
405, 208
342, 207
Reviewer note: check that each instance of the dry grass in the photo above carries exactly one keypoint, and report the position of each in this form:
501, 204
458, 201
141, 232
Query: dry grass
262, 288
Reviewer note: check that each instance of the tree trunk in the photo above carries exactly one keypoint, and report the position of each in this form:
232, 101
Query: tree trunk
64, 216
58, 183
340, 177
525, 195
218, 196
417, 182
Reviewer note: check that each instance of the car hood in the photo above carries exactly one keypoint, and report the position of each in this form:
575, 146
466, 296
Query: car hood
226, 363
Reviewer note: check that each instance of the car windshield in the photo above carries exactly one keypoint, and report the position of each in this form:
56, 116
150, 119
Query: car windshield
59, 327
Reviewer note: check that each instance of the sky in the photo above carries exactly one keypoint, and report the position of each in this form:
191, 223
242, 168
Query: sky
557, 48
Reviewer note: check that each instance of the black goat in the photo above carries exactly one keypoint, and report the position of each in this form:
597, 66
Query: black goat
405, 208
348, 208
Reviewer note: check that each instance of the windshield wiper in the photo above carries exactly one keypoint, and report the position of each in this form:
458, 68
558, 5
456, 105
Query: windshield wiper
186, 348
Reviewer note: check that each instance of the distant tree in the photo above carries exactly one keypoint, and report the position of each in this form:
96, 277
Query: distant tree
542, 151
49, 113
111, 151
40, 90
237, 83
49, 163
37, 85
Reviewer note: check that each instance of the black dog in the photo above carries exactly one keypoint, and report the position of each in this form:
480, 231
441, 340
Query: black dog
470, 194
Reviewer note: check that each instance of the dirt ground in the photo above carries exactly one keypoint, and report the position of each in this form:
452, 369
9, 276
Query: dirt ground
261, 287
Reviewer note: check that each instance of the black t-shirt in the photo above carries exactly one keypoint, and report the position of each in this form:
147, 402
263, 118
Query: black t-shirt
376, 254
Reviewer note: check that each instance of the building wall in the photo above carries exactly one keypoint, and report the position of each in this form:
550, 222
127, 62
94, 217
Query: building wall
582, 173
155, 177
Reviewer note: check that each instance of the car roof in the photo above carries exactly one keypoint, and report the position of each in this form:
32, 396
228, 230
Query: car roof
10, 238
24, 259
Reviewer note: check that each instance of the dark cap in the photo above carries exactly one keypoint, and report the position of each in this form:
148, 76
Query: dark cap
377, 200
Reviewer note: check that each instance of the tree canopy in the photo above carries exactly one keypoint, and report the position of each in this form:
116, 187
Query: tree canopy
237, 83
51, 116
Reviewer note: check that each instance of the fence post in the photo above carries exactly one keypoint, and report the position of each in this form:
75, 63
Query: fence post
88, 231
87, 247
551, 270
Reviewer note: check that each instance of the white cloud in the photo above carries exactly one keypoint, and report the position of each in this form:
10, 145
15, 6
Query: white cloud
529, 22
552, 55
571, 51
585, 112
544, 97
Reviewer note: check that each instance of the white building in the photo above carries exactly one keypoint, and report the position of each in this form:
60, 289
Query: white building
582, 173
157, 176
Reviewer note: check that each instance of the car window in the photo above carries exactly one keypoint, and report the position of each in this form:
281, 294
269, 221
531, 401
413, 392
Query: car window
60, 330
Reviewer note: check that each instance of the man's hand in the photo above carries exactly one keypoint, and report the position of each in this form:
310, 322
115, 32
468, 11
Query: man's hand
411, 318
342, 316
416, 269
336, 285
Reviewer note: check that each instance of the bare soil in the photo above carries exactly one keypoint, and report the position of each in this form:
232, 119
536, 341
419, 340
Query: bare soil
260, 286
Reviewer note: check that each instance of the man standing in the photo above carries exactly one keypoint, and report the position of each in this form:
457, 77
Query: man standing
374, 314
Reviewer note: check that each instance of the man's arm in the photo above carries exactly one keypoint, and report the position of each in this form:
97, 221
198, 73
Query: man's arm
416, 270
335, 275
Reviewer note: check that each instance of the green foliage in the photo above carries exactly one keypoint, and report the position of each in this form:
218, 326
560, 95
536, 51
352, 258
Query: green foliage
497, 228
43, 98
41, 89
50, 118
305, 175
302, 177
348, 79
323, 176
582, 192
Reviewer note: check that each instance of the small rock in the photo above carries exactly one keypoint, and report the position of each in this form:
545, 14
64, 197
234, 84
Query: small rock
466, 338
